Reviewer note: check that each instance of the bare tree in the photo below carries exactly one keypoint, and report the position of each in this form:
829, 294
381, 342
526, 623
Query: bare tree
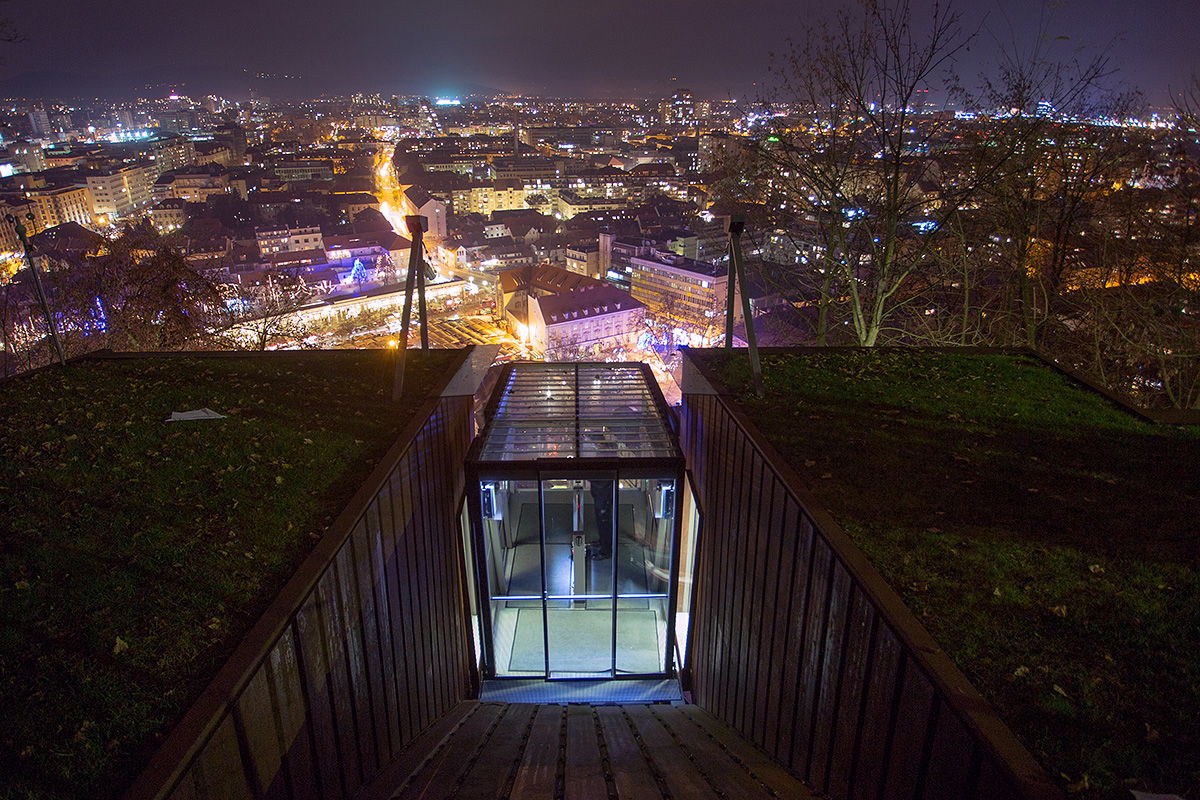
846, 162
258, 316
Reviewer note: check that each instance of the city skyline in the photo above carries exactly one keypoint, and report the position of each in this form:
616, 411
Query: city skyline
619, 49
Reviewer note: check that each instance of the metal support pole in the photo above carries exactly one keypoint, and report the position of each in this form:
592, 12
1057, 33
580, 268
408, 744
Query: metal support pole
730, 278
737, 279
421, 267
416, 228
22, 234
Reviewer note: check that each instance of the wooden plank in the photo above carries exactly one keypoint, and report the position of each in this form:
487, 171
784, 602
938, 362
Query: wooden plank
583, 774
410, 759
723, 772
767, 613
765, 769
952, 759
992, 784
832, 665
441, 772
372, 612
186, 788
262, 740
630, 773
381, 593
748, 527
291, 717
867, 773
711, 543
812, 649
331, 588
426, 572
217, 769
737, 530
490, 773
410, 620
795, 587
855, 674
393, 558
777, 607
667, 758
908, 751
538, 772
315, 674
362, 618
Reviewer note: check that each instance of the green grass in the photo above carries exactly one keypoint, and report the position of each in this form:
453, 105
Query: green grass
1047, 539
134, 553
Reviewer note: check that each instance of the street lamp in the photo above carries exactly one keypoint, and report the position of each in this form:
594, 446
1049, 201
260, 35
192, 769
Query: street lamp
22, 234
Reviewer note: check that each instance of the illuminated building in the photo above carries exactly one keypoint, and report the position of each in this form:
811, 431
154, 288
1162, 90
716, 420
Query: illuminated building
428, 206
56, 205
169, 215
289, 240
26, 156
584, 259
680, 109
39, 122
122, 192
585, 322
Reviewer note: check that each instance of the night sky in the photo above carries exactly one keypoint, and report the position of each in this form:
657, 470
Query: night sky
588, 47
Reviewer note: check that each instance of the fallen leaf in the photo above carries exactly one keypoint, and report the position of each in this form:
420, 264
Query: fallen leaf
1060, 611
1079, 785
1021, 671
120, 646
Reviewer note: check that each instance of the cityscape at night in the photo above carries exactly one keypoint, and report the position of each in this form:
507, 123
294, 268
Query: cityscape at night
620, 400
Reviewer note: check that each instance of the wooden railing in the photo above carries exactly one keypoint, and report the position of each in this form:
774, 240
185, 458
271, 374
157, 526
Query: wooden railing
799, 644
365, 647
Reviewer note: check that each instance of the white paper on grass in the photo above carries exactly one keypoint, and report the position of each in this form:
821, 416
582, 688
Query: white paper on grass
1149, 796
199, 413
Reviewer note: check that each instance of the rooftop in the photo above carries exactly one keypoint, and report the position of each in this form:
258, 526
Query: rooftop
578, 410
587, 301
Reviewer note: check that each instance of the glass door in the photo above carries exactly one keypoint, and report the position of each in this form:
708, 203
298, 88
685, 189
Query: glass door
578, 570
578, 537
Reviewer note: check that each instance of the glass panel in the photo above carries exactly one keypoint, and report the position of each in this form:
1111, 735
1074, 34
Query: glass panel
472, 586
577, 411
513, 573
687, 565
644, 550
578, 544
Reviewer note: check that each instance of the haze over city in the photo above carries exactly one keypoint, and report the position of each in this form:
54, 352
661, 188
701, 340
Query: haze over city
620, 48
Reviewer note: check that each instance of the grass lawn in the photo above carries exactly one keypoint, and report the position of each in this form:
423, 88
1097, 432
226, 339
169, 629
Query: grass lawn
1049, 541
135, 553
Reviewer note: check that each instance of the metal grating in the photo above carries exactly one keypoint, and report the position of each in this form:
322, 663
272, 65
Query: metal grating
577, 411
537, 690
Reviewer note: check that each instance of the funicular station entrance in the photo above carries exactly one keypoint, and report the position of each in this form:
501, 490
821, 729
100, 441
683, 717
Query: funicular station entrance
573, 488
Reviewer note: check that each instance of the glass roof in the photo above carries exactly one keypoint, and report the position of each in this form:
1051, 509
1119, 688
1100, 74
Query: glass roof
577, 410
